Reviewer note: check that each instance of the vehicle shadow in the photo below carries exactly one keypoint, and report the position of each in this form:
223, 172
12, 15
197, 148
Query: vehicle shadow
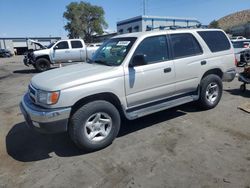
128, 127
238, 92
25, 71
29, 71
25, 145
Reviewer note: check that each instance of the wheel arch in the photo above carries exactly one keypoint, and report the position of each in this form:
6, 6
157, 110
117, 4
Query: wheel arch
43, 56
106, 96
216, 71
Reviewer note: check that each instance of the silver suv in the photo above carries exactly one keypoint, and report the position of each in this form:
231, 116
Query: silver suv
130, 75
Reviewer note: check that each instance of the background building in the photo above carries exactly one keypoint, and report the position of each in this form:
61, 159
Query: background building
22, 44
103, 37
146, 23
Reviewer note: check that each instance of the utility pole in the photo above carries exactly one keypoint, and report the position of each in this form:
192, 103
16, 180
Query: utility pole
144, 7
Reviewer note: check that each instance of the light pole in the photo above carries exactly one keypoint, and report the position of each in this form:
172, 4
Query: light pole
144, 7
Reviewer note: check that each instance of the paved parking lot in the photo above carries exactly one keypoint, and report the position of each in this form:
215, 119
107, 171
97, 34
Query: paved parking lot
180, 147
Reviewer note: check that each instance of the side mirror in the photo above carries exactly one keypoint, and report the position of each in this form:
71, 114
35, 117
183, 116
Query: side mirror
138, 60
55, 48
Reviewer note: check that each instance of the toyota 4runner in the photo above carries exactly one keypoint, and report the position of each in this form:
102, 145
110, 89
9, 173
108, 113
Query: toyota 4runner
130, 75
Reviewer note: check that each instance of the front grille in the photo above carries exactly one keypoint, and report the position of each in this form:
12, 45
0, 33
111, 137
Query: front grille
32, 93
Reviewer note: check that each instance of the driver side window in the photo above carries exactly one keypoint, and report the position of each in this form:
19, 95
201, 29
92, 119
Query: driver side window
62, 45
155, 49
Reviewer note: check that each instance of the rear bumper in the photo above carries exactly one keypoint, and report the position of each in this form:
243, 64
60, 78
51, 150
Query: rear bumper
44, 120
229, 75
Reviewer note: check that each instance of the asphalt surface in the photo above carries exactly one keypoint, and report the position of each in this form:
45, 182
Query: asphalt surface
180, 147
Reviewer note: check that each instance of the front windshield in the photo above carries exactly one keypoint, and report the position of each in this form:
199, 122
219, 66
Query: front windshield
113, 51
51, 44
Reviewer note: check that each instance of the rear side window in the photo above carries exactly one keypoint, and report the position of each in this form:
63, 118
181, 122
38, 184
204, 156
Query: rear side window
185, 45
216, 40
155, 48
76, 44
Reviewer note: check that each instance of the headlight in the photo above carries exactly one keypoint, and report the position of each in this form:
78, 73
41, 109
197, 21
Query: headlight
48, 97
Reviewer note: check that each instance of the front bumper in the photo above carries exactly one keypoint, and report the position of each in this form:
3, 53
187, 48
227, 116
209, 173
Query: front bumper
27, 61
43, 119
229, 75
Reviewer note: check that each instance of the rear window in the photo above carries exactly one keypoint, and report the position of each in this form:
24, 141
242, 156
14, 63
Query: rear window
76, 44
216, 40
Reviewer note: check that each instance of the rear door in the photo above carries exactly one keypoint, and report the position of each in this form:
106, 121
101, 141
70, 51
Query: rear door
188, 59
77, 50
155, 80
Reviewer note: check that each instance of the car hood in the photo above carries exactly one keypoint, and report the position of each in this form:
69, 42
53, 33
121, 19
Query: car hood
38, 44
41, 52
73, 75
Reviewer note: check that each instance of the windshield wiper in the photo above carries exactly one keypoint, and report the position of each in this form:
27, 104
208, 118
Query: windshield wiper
101, 62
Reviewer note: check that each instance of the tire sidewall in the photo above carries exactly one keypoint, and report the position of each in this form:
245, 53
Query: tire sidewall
42, 61
83, 115
204, 84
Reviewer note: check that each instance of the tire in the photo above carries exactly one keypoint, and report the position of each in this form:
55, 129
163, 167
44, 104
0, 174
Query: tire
210, 91
243, 88
42, 64
246, 56
95, 125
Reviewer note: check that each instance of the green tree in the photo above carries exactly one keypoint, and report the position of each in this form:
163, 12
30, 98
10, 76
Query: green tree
214, 24
84, 20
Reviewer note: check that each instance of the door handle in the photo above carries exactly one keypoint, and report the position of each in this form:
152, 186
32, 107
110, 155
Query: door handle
166, 70
203, 62
67, 51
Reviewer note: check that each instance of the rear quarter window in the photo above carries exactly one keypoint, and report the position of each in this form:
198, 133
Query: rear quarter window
215, 40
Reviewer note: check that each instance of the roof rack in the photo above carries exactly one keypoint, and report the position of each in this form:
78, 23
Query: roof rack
176, 27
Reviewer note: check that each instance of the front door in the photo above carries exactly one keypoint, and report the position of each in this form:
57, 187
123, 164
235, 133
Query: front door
61, 52
154, 80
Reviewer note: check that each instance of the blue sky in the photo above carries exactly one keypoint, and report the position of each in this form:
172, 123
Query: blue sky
31, 18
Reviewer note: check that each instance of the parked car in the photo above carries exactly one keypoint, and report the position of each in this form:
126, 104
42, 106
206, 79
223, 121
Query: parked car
241, 48
5, 53
91, 48
130, 75
238, 38
63, 51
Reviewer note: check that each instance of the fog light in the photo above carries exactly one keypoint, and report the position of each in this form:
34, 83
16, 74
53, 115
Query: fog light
36, 124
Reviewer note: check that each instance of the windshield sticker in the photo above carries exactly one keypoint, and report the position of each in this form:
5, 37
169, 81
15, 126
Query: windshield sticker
123, 43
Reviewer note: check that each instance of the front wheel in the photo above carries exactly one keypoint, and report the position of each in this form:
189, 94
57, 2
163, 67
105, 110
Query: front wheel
95, 125
211, 91
42, 64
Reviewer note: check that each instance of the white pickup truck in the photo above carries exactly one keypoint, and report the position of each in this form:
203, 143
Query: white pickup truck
63, 51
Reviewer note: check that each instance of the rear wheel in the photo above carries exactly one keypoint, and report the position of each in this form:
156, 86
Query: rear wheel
95, 125
42, 64
211, 91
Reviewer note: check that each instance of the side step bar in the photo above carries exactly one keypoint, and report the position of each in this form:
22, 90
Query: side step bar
159, 107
